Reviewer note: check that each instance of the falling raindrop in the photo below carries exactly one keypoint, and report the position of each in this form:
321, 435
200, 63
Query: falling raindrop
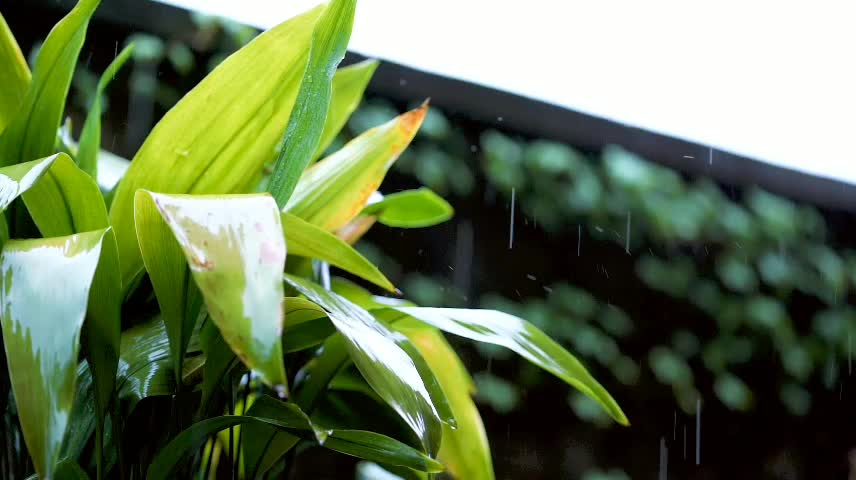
627, 237
511, 225
710, 156
675, 426
530, 276
698, 432
579, 238
664, 459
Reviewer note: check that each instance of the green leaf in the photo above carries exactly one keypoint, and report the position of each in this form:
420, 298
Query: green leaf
465, 451
144, 366
306, 240
219, 358
144, 371
306, 325
306, 124
70, 470
349, 83
411, 209
32, 132
362, 444
44, 293
17, 179
176, 293
14, 75
333, 191
287, 417
236, 253
218, 138
68, 201
518, 335
376, 352
90, 136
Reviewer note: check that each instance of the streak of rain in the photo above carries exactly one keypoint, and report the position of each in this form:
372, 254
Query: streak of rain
698, 432
511, 223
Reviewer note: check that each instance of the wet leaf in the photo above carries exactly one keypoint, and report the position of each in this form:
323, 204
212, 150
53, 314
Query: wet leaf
31, 133
236, 253
411, 209
218, 138
90, 136
287, 417
333, 191
17, 179
349, 83
306, 325
306, 124
465, 451
306, 240
14, 75
44, 293
384, 364
68, 201
498, 328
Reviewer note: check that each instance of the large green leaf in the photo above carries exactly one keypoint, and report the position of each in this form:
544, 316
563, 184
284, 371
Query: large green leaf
218, 138
334, 190
411, 209
302, 136
520, 336
306, 240
236, 253
90, 136
349, 83
68, 201
465, 451
14, 75
32, 132
376, 352
44, 293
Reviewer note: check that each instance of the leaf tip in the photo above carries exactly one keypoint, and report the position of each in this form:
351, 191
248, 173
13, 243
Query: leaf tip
411, 120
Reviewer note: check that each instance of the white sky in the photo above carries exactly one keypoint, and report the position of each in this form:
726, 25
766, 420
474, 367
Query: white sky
771, 80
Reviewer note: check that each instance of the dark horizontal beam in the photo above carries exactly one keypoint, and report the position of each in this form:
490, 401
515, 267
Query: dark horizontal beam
527, 116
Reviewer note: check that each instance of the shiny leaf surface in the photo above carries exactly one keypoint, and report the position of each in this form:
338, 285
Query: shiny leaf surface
17, 179
177, 294
68, 201
334, 190
44, 293
349, 83
236, 253
384, 364
218, 138
14, 75
90, 136
306, 325
31, 133
411, 209
518, 335
465, 451
306, 240
306, 124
